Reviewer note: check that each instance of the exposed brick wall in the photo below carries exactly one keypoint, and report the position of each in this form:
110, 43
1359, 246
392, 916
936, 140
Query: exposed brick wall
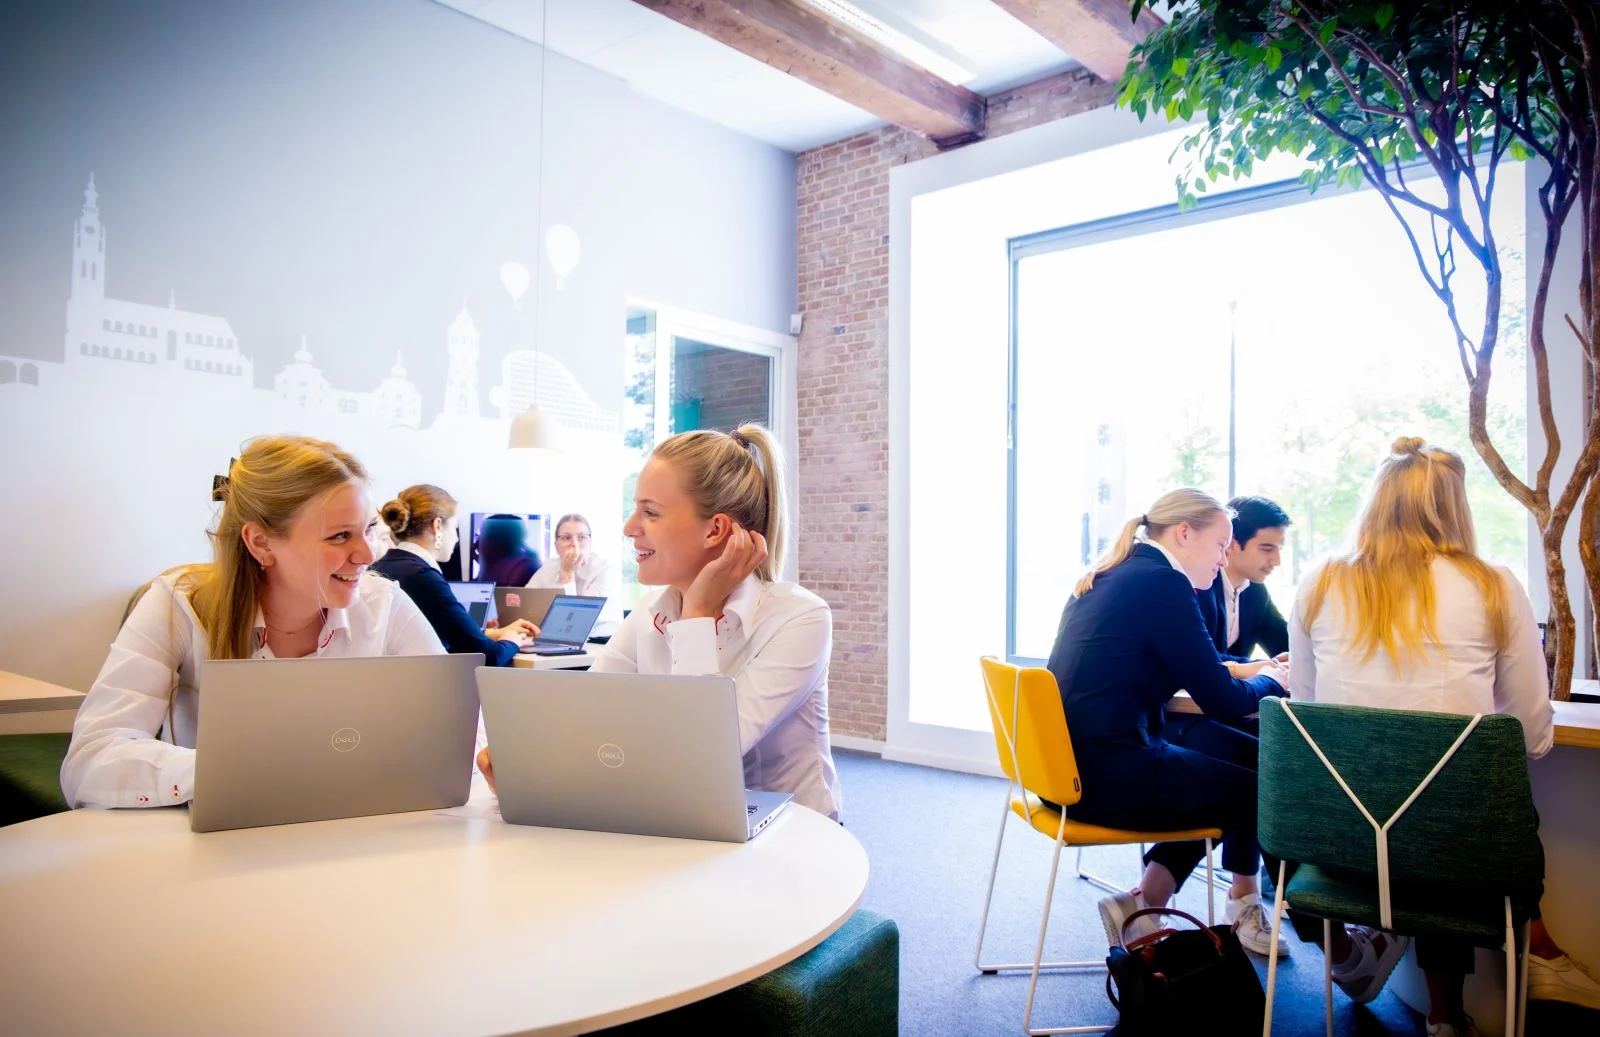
843, 237
743, 388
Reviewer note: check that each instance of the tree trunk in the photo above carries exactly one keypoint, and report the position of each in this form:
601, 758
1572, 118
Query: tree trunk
1560, 630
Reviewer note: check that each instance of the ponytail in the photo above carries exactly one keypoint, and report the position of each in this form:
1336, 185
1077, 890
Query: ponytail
1187, 504
738, 474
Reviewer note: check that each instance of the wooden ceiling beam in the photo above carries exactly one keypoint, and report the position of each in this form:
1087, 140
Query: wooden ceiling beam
795, 38
1098, 34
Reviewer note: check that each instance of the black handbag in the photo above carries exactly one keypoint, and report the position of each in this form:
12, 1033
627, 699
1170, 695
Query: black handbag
1175, 980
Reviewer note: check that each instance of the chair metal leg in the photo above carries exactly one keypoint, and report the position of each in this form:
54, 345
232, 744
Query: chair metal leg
994, 869
1211, 888
1327, 973
1095, 880
1522, 988
991, 969
1038, 958
1272, 956
1511, 972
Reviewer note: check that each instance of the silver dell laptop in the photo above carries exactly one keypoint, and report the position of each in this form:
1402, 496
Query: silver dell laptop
621, 752
287, 740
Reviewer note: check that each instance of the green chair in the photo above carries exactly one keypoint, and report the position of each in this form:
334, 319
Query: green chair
30, 776
1422, 823
846, 986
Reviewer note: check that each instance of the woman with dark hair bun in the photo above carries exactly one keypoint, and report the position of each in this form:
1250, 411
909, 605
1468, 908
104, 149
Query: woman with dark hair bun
423, 522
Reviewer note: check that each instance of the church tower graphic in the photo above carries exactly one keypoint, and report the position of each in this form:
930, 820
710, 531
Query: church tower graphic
461, 383
135, 335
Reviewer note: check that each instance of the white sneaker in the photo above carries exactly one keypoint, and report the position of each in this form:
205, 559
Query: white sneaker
1464, 1028
1364, 980
1114, 911
1253, 924
1562, 979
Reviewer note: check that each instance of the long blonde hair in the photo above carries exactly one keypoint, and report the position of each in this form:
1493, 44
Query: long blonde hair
1416, 512
1173, 508
738, 474
271, 481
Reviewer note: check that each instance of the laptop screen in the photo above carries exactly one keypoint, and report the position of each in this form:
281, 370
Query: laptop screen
476, 598
570, 619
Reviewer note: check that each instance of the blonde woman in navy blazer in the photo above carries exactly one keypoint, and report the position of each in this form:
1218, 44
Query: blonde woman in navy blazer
1130, 638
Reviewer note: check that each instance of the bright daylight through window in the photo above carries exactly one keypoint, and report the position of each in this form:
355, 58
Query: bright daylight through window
1122, 354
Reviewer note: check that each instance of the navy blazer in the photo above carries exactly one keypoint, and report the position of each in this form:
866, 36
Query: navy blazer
1260, 622
427, 587
1130, 643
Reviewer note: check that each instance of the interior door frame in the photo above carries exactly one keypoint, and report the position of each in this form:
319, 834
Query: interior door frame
673, 323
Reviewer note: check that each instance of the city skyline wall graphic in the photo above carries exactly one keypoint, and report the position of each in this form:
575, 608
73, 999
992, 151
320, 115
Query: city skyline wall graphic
109, 336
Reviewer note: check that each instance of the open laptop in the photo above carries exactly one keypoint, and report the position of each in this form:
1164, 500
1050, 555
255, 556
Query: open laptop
287, 740
621, 752
477, 599
530, 603
566, 625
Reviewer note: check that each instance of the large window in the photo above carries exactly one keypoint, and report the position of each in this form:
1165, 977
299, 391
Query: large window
1267, 343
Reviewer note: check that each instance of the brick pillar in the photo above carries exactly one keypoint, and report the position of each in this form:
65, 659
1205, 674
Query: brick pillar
842, 224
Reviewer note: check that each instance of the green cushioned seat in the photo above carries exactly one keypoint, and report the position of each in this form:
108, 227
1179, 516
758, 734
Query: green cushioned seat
1465, 848
1480, 919
846, 986
30, 776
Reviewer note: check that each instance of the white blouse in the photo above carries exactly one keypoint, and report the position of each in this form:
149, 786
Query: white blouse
1461, 672
774, 640
116, 760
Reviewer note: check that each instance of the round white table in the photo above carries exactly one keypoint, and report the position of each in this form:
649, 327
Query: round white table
434, 923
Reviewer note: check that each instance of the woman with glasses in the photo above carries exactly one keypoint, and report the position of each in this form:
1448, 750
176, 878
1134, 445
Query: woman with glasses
576, 569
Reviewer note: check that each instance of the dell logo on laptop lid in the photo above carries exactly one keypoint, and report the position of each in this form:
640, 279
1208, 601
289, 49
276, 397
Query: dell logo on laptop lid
610, 755
346, 739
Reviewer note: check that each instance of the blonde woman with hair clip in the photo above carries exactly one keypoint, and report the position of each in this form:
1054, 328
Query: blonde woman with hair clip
710, 527
288, 578
1131, 637
1412, 618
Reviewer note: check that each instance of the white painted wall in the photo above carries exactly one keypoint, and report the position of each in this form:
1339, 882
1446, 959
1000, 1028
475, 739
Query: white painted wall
356, 173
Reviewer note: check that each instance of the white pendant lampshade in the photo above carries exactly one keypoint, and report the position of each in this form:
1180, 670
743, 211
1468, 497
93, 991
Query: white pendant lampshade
534, 430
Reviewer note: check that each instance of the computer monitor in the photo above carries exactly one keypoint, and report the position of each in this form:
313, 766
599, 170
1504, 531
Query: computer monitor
504, 548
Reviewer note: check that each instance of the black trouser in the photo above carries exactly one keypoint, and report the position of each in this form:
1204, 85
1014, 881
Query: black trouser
1202, 776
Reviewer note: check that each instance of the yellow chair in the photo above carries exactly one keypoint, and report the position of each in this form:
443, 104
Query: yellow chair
1030, 732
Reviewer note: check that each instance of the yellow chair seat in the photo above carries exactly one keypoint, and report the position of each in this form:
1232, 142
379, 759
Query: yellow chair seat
1048, 822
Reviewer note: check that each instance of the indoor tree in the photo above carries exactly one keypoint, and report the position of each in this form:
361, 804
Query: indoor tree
1422, 102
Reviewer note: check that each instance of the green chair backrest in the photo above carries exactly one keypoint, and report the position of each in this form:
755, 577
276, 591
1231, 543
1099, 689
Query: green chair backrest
1473, 829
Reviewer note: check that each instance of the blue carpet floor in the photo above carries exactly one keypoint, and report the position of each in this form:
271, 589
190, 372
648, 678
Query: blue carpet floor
929, 835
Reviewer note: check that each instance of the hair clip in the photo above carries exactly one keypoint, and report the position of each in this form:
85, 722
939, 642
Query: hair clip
220, 483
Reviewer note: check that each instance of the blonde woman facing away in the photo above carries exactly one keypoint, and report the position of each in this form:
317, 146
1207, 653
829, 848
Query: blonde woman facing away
709, 526
1413, 618
1131, 637
288, 578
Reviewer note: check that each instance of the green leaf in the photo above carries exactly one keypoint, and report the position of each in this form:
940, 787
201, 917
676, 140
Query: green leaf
1274, 58
1383, 16
1180, 66
1329, 27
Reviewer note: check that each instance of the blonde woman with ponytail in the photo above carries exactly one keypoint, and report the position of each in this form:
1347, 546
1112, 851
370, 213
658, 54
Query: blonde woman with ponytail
288, 578
710, 527
1411, 618
1131, 637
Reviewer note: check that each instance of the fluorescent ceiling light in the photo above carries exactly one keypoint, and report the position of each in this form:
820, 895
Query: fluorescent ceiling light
900, 40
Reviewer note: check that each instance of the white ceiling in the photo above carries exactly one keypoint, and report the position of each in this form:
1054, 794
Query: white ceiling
676, 65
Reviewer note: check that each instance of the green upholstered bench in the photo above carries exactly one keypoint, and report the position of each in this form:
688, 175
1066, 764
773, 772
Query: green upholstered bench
846, 986
30, 776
